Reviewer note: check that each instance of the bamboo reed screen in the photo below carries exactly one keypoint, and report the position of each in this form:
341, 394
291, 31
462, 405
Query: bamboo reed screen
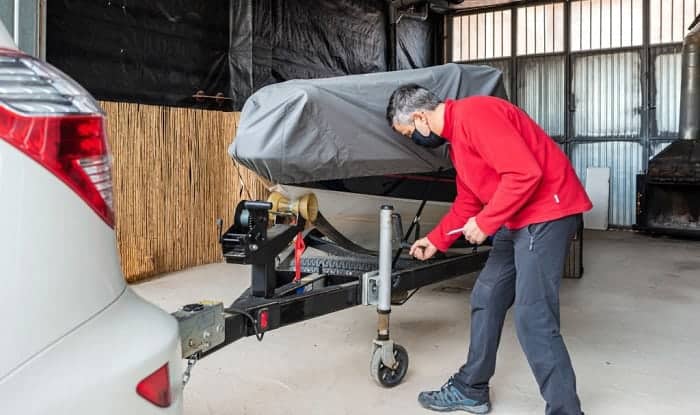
172, 179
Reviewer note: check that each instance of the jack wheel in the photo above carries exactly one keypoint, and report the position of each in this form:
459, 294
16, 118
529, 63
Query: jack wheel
384, 375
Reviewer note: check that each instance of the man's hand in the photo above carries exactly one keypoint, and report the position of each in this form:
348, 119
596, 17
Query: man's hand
423, 249
473, 233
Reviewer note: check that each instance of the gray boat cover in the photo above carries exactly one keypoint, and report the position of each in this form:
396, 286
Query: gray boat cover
335, 128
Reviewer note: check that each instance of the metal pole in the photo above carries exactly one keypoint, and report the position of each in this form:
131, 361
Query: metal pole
41, 29
384, 347
16, 23
649, 109
568, 75
385, 237
392, 49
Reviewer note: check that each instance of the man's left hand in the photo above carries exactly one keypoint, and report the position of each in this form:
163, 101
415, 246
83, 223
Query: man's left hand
473, 233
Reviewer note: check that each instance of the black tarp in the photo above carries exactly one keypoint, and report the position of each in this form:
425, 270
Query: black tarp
303, 39
279, 40
417, 43
164, 51
156, 52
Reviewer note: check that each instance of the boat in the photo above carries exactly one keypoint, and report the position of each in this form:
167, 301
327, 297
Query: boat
330, 136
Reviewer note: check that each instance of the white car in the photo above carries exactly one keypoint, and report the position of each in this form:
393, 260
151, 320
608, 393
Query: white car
76, 339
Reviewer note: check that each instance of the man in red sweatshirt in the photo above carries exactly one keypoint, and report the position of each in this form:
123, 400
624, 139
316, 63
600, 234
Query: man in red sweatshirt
516, 185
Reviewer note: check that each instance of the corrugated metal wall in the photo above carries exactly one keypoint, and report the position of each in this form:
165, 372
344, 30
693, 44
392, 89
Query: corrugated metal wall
607, 92
541, 92
503, 66
624, 86
665, 96
624, 158
657, 147
667, 88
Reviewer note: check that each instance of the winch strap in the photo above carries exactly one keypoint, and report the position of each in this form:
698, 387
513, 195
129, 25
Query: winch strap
299, 247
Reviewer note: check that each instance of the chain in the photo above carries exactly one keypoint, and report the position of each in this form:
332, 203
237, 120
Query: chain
191, 361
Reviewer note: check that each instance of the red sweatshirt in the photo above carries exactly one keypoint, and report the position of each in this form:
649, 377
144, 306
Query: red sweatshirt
509, 171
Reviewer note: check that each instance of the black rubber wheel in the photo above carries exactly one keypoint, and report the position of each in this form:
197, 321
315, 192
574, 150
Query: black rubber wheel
386, 376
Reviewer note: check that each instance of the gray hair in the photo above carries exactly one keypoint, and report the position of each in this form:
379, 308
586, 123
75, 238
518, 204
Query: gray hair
408, 99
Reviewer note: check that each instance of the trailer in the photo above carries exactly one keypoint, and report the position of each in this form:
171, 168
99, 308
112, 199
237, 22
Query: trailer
332, 274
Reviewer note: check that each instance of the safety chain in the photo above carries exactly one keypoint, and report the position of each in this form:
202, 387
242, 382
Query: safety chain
191, 361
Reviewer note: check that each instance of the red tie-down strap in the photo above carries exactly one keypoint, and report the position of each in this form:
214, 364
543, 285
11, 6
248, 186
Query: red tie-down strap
299, 247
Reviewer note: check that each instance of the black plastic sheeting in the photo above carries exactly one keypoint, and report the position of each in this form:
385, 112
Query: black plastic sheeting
154, 52
417, 43
164, 51
303, 39
298, 39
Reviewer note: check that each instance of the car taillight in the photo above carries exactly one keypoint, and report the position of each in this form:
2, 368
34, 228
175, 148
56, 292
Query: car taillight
156, 387
50, 118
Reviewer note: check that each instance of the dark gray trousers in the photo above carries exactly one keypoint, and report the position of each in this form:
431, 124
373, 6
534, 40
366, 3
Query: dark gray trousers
524, 268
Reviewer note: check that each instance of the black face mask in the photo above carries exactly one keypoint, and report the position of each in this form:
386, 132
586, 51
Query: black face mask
431, 141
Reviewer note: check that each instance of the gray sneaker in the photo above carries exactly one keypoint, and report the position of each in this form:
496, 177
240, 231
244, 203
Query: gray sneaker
449, 399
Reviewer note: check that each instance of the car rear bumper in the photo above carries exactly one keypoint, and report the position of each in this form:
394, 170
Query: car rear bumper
96, 367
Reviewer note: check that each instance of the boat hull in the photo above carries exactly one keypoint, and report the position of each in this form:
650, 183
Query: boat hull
356, 215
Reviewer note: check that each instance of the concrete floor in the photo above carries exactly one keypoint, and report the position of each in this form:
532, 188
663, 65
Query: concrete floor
631, 325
